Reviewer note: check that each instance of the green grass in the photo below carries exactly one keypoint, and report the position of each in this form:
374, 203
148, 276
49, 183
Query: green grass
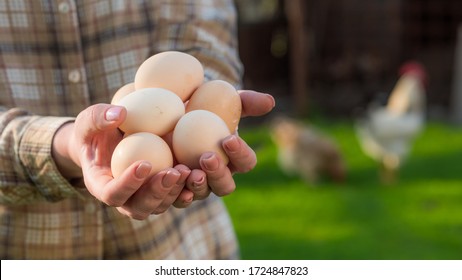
419, 217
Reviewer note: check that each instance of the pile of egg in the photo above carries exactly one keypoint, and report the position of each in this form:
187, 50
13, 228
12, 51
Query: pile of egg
169, 98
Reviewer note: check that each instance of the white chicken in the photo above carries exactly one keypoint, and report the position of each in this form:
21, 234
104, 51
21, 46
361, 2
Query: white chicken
386, 133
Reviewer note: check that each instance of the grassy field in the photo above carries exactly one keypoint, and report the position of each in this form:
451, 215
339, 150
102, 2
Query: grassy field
419, 217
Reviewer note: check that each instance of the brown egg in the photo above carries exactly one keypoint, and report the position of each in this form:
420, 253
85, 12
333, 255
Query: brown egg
219, 97
178, 72
122, 92
153, 110
141, 146
197, 132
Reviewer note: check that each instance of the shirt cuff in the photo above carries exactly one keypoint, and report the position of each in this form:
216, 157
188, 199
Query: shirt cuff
35, 155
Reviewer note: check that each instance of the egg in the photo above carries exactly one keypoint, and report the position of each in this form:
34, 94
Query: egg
122, 92
141, 146
197, 132
153, 110
219, 97
176, 71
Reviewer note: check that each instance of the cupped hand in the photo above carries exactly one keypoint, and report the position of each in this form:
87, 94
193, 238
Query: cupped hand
90, 141
84, 148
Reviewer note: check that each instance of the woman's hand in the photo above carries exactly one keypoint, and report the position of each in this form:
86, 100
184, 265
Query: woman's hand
84, 148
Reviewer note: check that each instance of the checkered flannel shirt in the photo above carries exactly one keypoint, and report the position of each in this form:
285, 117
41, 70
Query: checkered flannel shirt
56, 59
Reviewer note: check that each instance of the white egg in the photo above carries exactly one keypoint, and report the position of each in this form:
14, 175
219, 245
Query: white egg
176, 71
153, 110
122, 92
219, 97
141, 146
197, 132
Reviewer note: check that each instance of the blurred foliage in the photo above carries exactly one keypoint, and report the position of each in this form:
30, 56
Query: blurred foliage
254, 11
420, 217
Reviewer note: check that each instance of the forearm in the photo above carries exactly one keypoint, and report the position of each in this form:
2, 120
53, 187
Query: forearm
27, 171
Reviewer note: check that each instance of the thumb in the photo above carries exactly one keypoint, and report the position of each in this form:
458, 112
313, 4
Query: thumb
255, 103
98, 118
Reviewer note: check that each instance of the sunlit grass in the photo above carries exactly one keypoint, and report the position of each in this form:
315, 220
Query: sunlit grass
420, 217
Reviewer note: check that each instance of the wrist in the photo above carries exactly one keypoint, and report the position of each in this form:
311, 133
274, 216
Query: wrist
60, 153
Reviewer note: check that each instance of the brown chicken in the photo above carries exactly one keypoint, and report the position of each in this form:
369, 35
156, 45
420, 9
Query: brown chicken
306, 152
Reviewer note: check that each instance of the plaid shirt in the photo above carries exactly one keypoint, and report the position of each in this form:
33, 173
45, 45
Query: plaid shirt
56, 59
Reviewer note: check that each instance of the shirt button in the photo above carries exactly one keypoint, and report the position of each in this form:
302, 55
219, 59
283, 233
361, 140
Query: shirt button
74, 76
63, 7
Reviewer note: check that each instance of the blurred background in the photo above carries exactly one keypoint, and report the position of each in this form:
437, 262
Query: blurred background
372, 180
348, 50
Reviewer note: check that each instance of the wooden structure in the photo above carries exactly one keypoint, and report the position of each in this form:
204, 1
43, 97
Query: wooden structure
340, 54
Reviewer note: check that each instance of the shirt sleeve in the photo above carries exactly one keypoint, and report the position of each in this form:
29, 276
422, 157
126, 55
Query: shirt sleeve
206, 30
28, 172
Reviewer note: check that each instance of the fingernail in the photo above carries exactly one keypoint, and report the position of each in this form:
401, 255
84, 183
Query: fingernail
188, 200
231, 144
170, 178
113, 113
198, 183
143, 170
273, 101
210, 162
